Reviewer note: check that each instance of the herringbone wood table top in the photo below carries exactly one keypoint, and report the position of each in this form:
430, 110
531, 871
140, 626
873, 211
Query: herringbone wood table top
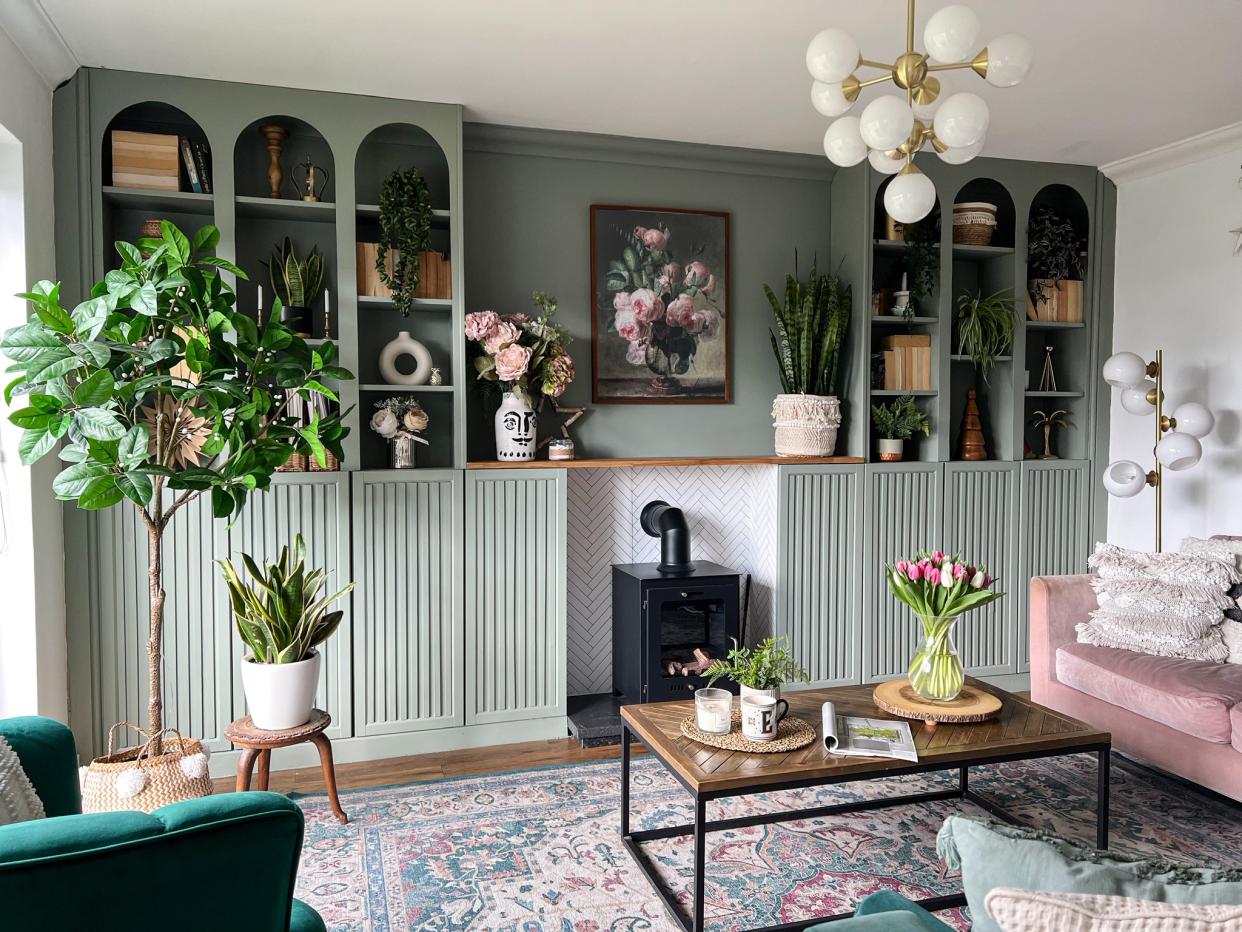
1023, 727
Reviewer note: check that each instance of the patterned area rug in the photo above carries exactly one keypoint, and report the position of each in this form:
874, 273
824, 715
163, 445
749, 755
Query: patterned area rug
539, 850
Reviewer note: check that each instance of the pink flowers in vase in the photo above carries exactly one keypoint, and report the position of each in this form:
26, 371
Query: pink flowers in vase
936, 585
526, 354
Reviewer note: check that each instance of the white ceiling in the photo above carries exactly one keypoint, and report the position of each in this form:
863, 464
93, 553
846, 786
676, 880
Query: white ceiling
1112, 77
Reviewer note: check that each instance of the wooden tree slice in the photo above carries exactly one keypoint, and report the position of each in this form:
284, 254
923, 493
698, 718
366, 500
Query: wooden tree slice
973, 705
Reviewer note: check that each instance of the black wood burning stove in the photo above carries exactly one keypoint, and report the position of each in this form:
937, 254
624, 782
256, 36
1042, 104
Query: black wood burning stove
662, 623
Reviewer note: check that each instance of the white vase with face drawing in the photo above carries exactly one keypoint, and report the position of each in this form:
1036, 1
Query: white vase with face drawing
515, 429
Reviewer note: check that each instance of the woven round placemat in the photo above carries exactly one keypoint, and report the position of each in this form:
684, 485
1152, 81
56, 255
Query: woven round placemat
792, 733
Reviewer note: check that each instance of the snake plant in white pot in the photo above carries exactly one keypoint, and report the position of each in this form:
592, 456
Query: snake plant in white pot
282, 616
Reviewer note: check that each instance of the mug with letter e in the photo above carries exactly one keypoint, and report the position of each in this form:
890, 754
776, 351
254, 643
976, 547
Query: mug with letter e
761, 715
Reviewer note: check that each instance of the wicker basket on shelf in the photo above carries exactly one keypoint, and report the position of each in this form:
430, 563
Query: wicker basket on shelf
331, 464
295, 463
974, 222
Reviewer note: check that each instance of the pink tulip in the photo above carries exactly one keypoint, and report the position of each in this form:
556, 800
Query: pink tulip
903, 567
932, 575
937, 557
959, 572
924, 563
915, 572
987, 580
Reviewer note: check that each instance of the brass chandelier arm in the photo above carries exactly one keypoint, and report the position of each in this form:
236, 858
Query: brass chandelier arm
872, 81
910, 26
868, 63
954, 66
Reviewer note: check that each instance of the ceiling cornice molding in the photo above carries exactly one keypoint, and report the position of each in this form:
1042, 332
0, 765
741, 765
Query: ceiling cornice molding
38, 39
600, 147
1175, 154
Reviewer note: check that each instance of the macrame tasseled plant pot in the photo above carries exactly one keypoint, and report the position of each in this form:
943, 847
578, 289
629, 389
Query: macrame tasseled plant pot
806, 425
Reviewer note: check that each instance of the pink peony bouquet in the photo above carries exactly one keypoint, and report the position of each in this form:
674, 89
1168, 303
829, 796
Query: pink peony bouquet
661, 308
526, 354
937, 585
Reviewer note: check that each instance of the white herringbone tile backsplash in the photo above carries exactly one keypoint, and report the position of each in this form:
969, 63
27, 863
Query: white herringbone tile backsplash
732, 515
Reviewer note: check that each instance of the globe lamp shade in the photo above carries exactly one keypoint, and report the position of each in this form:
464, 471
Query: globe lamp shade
1009, 60
883, 164
832, 56
886, 122
962, 120
1178, 451
829, 99
842, 144
1134, 400
1124, 479
951, 34
961, 155
1125, 370
1194, 419
910, 197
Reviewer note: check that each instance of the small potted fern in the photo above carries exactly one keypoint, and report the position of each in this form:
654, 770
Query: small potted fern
297, 282
808, 342
281, 616
760, 671
896, 423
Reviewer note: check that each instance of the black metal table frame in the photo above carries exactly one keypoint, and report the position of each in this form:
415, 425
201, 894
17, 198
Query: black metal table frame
701, 827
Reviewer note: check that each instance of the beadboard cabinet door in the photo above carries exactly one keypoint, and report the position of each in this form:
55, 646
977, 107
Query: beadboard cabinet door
902, 514
408, 630
315, 505
980, 512
818, 591
515, 568
1053, 523
107, 602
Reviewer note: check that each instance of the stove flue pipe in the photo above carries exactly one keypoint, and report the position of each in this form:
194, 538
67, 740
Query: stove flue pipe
662, 520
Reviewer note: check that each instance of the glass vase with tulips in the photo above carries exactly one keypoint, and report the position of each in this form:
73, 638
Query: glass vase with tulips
939, 588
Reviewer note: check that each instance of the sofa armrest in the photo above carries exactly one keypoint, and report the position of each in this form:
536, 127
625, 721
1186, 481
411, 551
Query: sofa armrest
1058, 604
48, 755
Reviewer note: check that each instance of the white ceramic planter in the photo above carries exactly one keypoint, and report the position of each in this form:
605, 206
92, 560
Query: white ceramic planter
281, 695
806, 425
770, 693
890, 451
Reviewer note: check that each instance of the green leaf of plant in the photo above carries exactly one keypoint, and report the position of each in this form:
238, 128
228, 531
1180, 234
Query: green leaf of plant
95, 390
24, 343
99, 424
92, 352
178, 245
90, 316
129, 253
51, 364
132, 450
136, 486
73, 480
146, 300
224, 264
322, 389
205, 239
34, 444
55, 317
31, 418
99, 493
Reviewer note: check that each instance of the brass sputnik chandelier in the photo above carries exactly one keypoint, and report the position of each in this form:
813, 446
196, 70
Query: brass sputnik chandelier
892, 129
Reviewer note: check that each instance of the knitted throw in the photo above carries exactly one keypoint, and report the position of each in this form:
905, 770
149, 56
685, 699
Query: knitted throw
18, 800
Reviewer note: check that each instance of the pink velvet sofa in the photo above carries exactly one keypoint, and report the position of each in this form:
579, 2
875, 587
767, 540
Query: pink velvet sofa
1183, 716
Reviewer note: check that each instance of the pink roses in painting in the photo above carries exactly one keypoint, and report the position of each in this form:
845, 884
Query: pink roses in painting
527, 355
659, 328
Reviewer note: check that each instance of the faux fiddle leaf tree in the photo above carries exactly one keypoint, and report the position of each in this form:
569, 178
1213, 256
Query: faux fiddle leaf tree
161, 391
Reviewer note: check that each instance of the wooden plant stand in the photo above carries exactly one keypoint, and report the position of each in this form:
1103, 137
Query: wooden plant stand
973, 705
258, 743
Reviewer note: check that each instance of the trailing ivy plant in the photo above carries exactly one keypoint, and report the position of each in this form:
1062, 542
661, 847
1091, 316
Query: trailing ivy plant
1053, 253
922, 264
405, 226
158, 390
985, 327
810, 332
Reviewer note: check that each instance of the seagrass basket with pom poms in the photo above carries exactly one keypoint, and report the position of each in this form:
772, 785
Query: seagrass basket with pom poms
137, 778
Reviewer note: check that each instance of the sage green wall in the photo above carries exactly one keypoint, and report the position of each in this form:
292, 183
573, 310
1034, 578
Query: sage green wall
528, 195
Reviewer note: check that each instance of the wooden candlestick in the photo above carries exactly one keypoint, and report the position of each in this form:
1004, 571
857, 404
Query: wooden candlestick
275, 136
972, 445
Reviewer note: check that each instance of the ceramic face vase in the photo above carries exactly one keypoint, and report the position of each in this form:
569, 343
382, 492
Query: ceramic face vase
515, 429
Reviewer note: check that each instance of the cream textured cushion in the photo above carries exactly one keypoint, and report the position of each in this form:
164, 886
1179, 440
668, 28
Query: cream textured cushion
1028, 911
18, 800
1164, 604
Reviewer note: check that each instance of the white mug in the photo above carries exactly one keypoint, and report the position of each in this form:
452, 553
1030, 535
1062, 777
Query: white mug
761, 715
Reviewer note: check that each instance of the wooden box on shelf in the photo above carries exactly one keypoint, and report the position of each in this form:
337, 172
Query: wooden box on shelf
435, 279
1063, 301
907, 362
145, 160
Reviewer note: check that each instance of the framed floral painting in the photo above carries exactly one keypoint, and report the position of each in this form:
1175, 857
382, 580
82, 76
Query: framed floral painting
660, 299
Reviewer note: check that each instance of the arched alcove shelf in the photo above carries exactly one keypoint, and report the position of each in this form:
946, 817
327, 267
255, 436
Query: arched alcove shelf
264, 221
1058, 328
385, 150
150, 176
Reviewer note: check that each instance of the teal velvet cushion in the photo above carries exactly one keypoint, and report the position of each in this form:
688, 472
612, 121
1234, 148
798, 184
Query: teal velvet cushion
1004, 856
886, 912
50, 759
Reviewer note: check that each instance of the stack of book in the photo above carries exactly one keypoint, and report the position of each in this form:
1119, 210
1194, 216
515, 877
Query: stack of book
155, 160
907, 362
1060, 301
435, 273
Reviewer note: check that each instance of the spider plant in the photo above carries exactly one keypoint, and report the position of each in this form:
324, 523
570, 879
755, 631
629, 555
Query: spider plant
985, 327
810, 332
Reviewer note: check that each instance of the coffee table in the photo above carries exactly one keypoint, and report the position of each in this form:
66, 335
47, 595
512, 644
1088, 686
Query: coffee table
1022, 731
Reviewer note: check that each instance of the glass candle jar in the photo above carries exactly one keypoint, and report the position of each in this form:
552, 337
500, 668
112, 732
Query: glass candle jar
713, 711
561, 448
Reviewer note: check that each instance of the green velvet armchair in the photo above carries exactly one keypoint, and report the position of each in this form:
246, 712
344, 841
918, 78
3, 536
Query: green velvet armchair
221, 862
886, 912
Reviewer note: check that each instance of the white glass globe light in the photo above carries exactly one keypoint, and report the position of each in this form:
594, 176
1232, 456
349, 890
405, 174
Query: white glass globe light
910, 197
1009, 60
883, 164
1178, 450
961, 155
842, 143
1135, 400
886, 122
829, 99
951, 33
1125, 370
1194, 419
962, 120
1124, 479
925, 113
832, 56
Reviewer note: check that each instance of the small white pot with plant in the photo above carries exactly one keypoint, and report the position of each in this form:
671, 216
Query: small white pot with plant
895, 423
808, 341
281, 616
760, 671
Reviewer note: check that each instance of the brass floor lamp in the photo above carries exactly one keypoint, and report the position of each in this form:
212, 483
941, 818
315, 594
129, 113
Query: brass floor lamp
1177, 444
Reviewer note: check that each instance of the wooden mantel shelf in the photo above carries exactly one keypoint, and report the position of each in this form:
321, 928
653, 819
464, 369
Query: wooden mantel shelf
668, 461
